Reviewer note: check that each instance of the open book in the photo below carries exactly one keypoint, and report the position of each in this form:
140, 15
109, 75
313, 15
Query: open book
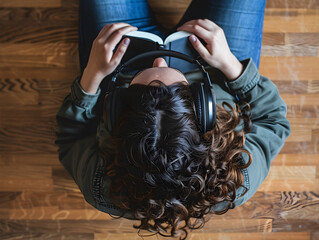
144, 42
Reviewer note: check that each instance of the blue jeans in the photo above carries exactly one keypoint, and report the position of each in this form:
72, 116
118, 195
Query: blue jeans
241, 20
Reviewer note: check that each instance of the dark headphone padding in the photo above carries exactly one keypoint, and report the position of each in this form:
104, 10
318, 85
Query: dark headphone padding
210, 102
199, 101
113, 104
196, 98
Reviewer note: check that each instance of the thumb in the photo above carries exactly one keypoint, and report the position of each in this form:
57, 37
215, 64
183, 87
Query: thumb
200, 48
120, 51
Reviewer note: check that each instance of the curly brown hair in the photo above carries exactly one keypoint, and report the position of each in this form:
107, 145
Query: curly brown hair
164, 170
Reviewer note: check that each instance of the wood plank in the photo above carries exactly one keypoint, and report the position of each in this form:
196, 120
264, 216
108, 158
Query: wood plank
37, 32
304, 99
46, 236
29, 113
293, 41
289, 185
19, 184
30, 95
62, 180
284, 225
300, 134
52, 213
16, 159
297, 87
26, 171
238, 225
18, 92
296, 160
289, 50
292, 173
70, 4
28, 139
304, 21
311, 213
281, 12
300, 148
124, 226
302, 39
278, 205
280, 68
291, 4
38, 73
31, 3
30, 61
64, 200
302, 129
296, 111
38, 49
273, 38
39, 14
315, 235
312, 123
212, 236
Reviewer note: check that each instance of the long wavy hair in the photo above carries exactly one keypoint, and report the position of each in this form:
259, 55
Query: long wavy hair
163, 169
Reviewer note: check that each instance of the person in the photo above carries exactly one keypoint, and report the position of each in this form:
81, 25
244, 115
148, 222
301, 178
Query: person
159, 167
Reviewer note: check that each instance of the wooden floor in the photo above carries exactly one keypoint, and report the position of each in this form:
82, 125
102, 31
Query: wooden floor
38, 62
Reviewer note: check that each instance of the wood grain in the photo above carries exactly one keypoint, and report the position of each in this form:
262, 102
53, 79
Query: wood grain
290, 68
38, 63
31, 3
15, 159
292, 4
296, 159
122, 226
38, 32
304, 20
214, 236
29, 49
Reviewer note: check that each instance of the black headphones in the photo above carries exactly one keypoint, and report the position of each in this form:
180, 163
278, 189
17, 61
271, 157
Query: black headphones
203, 93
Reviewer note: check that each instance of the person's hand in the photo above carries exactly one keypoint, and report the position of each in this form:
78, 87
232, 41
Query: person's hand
103, 60
216, 52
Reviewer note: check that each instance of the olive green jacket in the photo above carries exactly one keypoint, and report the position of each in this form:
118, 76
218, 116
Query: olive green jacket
80, 132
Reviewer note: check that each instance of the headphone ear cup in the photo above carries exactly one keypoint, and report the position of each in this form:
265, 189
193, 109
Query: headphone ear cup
198, 96
205, 105
113, 104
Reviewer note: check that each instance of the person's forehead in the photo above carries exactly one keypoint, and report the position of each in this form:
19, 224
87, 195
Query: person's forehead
164, 74
161, 70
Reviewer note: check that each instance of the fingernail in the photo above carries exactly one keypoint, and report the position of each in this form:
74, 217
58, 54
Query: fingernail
193, 39
126, 41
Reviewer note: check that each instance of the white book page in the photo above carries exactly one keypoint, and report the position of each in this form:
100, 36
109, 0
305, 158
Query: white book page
176, 35
147, 35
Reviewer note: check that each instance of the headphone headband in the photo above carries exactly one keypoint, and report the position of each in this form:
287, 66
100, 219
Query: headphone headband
203, 93
159, 53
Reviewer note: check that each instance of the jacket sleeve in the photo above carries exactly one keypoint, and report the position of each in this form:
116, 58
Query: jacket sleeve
270, 125
76, 137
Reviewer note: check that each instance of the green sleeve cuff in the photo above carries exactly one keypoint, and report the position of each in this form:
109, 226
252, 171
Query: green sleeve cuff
82, 98
247, 80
